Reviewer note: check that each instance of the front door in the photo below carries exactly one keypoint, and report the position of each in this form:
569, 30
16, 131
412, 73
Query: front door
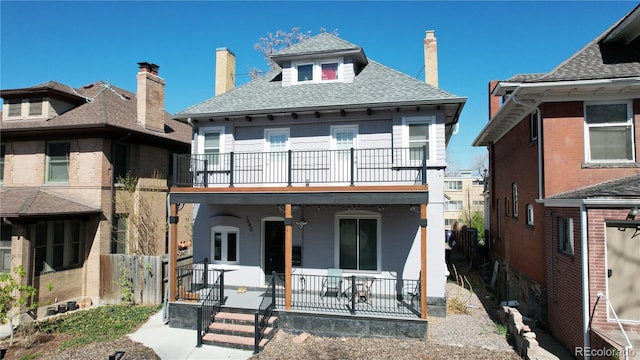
273, 247
343, 140
623, 267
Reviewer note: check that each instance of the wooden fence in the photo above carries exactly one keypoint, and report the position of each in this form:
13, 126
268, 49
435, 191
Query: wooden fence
143, 275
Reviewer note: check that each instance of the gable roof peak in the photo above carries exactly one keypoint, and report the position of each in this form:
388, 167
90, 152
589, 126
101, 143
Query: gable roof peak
323, 44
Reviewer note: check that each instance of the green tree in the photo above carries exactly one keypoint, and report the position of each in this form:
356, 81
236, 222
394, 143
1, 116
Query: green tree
15, 296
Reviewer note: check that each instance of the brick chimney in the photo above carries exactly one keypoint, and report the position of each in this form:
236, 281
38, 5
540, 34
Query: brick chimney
494, 100
431, 58
225, 70
150, 96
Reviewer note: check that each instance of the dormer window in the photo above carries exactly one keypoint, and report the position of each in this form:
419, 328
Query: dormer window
317, 71
35, 107
25, 108
15, 108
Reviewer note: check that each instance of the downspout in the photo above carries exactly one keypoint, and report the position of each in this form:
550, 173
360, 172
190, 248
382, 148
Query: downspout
585, 278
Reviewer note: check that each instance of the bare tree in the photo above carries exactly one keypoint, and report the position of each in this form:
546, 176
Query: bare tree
274, 42
480, 164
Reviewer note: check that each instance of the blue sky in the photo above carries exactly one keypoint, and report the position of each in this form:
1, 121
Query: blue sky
80, 42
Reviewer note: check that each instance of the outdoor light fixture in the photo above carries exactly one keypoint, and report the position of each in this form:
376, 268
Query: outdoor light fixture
317, 114
294, 115
632, 213
343, 112
270, 117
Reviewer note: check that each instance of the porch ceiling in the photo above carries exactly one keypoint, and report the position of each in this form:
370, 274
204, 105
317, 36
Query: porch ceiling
303, 196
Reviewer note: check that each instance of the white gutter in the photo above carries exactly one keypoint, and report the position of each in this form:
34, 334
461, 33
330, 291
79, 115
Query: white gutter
538, 125
585, 279
591, 203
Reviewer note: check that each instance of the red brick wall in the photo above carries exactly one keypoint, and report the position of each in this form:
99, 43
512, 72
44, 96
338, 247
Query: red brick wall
564, 153
564, 286
515, 160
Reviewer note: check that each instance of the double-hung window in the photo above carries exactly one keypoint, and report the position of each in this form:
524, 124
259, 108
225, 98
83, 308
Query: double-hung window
358, 242
212, 147
453, 185
5, 248
609, 132
418, 137
453, 205
565, 235
57, 154
35, 107
15, 108
514, 198
224, 244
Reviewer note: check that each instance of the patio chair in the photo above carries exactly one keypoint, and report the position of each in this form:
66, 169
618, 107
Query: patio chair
414, 294
332, 284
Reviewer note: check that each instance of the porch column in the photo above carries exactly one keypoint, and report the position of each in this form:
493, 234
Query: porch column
423, 261
288, 250
173, 252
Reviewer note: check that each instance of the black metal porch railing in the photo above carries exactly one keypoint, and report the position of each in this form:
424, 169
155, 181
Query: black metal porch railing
264, 312
353, 166
355, 294
211, 303
194, 278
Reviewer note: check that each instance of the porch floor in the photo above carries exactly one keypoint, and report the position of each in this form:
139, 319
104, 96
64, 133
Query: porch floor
375, 307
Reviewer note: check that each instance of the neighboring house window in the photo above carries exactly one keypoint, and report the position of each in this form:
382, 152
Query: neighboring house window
506, 207
58, 161
58, 244
454, 205
449, 222
15, 108
529, 214
417, 137
224, 244
120, 236
453, 185
609, 135
2, 152
514, 197
35, 107
533, 126
5, 248
317, 71
120, 162
565, 235
498, 219
358, 242
478, 202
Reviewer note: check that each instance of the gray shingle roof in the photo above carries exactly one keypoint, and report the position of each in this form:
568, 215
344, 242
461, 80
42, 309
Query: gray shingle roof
321, 43
627, 187
375, 85
21, 202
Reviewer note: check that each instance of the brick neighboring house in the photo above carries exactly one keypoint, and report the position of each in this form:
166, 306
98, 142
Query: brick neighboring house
564, 181
63, 151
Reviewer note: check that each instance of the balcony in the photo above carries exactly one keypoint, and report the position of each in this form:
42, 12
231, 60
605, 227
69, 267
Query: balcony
353, 167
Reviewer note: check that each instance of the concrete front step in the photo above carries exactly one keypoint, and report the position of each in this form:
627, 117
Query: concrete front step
232, 341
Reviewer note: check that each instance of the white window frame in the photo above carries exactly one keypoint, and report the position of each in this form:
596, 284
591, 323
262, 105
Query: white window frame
358, 215
627, 123
458, 205
565, 235
201, 141
457, 187
3, 153
533, 126
224, 244
530, 214
13, 103
317, 71
430, 121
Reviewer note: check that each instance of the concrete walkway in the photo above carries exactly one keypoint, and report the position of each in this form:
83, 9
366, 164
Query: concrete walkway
177, 344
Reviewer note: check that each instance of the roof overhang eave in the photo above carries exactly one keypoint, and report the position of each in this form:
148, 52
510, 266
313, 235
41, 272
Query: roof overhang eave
513, 110
459, 102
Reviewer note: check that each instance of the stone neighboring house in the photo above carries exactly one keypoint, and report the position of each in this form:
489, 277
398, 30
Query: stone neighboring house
564, 191
65, 153
333, 161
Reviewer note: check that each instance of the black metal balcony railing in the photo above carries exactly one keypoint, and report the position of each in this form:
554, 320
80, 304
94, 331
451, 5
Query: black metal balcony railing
353, 166
353, 295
